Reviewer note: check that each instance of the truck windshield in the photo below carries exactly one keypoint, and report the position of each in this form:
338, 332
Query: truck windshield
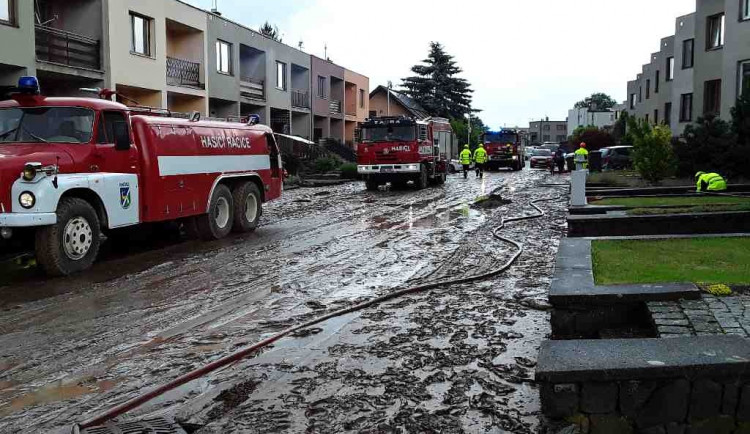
389, 133
46, 124
501, 138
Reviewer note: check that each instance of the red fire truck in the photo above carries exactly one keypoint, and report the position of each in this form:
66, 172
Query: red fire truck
504, 149
71, 168
401, 149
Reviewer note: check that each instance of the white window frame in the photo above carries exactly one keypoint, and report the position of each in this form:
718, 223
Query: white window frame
670, 68
744, 10
280, 75
223, 57
7, 9
146, 37
744, 64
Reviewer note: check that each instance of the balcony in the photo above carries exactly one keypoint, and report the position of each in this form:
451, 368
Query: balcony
300, 99
181, 72
335, 107
67, 48
252, 89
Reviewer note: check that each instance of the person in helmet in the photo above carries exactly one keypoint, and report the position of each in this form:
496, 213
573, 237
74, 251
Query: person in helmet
480, 158
465, 159
582, 154
709, 182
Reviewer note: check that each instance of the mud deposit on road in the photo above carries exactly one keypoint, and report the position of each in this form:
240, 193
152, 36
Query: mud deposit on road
454, 359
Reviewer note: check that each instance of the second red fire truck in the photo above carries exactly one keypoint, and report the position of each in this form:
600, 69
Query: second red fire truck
504, 149
398, 150
71, 168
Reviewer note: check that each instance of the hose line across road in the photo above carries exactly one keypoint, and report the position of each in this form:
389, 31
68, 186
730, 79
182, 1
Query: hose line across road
245, 352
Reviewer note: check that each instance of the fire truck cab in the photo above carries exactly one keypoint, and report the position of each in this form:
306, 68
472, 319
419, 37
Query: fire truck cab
397, 150
504, 149
71, 168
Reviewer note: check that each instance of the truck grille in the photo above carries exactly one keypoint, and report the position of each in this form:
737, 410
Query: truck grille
381, 157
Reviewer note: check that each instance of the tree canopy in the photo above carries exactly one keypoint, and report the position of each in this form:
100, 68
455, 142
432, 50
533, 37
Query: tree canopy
270, 31
597, 101
436, 86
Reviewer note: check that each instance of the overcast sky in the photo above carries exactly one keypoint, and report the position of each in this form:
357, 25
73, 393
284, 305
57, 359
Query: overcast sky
526, 59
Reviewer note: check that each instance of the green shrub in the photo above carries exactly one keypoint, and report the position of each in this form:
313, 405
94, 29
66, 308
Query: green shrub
653, 157
349, 171
327, 164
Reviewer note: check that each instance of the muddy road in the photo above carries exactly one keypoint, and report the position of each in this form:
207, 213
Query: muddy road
456, 359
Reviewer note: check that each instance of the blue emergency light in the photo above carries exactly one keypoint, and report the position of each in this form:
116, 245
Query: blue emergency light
29, 85
253, 120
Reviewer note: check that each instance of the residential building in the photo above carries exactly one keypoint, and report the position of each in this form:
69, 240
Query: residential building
583, 117
700, 70
389, 102
546, 130
356, 104
170, 55
61, 43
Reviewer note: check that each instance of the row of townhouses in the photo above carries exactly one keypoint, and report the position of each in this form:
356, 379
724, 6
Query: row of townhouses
701, 69
171, 55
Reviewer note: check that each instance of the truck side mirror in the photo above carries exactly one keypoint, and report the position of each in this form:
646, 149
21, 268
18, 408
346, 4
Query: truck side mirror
122, 138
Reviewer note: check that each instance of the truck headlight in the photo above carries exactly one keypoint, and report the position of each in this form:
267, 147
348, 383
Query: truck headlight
27, 200
29, 172
515, 158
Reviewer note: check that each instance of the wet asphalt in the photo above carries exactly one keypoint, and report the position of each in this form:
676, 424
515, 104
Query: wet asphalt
455, 359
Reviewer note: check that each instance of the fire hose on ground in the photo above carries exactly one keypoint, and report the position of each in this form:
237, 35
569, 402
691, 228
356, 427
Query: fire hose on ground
245, 352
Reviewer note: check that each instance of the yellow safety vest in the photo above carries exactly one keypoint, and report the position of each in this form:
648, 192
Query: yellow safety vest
465, 157
480, 156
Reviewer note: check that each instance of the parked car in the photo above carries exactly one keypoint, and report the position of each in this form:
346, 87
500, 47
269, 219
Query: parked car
455, 166
617, 158
551, 146
540, 158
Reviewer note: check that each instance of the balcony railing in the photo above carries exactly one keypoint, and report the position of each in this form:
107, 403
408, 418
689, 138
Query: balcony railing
335, 107
252, 88
181, 72
66, 48
300, 99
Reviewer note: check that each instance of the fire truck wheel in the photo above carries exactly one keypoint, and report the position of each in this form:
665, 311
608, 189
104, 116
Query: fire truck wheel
218, 222
423, 180
440, 179
371, 185
72, 244
247, 207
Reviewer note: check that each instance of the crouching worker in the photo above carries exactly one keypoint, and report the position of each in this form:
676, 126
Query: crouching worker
709, 182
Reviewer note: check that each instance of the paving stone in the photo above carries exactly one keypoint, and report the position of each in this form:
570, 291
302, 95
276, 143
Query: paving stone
661, 304
668, 403
670, 315
672, 322
730, 398
559, 400
673, 335
599, 398
737, 331
610, 424
743, 411
674, 330
717, 425
665, 310
705, 400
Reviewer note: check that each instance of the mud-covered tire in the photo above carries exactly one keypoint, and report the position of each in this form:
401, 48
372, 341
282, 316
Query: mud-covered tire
72, 244
217, 223
248, 207
371, 185
423, 180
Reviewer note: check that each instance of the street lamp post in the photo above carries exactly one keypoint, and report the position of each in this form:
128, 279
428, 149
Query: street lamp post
468, 134
388, 109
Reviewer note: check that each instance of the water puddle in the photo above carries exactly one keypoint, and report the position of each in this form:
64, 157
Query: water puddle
57, 392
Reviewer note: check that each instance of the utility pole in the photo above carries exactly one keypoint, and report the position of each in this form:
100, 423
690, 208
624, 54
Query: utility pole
388, 92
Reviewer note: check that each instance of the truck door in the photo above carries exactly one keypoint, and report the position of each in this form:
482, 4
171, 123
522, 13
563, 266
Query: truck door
273, 153
106, 157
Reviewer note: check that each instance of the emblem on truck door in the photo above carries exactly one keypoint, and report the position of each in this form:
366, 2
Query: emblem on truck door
125, 199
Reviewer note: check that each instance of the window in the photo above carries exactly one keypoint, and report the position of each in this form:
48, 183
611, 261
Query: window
546, 127
648, 88
640, 93
321, 86
670, 68
46, 124
744, 84
647, 119
546, 138
656, 85
7, 9
224, 57
712, 97
280, 76
686, 107
361, 98
688, 53
668, 114
373, 113
656, 116
140, 40
561, 138
561, 128
715, 33
744, 10
633, 99
106, 130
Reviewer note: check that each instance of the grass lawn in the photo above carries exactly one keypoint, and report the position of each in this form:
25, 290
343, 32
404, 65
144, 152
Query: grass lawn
704, 260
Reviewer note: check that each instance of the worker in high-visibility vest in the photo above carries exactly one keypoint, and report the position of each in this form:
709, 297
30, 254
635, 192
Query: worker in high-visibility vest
709, 182
480, 158
465, 159
582, 156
